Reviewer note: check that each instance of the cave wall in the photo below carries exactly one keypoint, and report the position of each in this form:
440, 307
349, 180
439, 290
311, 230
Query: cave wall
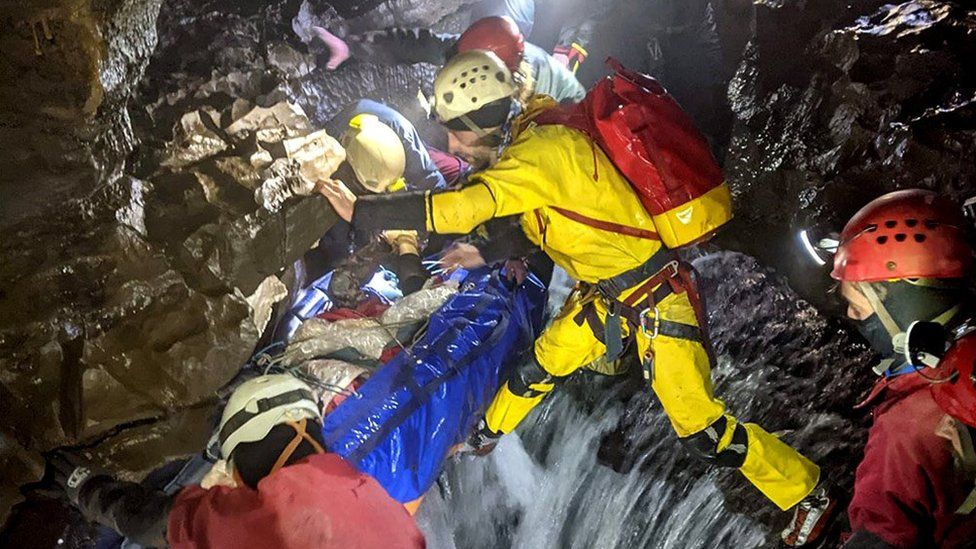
131, 284
136, 265
838, 102
67, 70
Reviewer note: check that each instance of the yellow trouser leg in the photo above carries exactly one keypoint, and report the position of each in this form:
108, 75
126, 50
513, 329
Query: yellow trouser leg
681, 379
562, 349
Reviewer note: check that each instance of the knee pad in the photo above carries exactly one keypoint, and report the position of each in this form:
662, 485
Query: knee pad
530, 373
704, 444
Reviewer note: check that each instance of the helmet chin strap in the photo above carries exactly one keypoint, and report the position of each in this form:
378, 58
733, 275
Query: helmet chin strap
875, 300
898, 336
472, 126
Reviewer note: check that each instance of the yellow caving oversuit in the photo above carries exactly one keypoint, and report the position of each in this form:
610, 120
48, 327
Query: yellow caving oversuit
550, 173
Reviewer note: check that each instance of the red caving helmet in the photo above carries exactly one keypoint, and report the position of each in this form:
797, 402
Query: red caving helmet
497, 34
957, 396
904, 234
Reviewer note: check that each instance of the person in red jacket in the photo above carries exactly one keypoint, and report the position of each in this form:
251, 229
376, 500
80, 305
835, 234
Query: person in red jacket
904, 258
288, 492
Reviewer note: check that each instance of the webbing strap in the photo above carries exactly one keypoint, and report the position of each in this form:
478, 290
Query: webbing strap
667, 328
243, 416
680, 330
608, 226
886, 319
662, 265
472, 126
301, 433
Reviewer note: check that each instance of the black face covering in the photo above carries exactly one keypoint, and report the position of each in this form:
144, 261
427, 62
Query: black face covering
905, 302
877, 336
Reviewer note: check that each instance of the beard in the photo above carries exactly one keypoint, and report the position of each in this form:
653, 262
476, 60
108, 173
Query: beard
479, 160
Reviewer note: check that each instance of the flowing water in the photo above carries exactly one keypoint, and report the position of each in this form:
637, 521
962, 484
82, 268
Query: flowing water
598, 466
545, 487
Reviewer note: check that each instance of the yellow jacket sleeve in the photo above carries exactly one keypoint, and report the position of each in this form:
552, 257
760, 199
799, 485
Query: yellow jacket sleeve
519, 182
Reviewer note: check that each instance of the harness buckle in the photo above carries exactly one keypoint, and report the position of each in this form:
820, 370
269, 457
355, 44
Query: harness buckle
650, 326
672, 267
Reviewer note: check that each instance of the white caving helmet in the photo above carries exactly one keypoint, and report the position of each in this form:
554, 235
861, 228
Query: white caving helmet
261, 404
375, 153
474, 91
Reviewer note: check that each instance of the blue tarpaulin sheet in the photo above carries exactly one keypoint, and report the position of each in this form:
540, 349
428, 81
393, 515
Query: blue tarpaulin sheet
410, 413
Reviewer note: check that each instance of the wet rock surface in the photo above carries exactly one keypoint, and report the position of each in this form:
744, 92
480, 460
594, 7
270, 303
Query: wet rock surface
153, 151
153, 155
838, 102
67, 70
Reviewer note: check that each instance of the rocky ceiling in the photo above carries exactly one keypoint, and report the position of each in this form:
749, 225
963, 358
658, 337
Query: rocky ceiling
136, 267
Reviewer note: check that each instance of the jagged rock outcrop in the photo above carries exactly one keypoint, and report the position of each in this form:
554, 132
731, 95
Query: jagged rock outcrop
145, 217
126, 299
145, 213
837, 102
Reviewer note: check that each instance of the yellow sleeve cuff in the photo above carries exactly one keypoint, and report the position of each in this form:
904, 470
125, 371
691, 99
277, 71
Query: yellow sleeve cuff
459, 212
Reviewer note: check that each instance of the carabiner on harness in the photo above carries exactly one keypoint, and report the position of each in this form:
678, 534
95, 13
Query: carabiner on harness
650, 326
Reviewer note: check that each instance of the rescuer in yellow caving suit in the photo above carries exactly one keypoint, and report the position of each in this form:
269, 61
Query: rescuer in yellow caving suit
549, 168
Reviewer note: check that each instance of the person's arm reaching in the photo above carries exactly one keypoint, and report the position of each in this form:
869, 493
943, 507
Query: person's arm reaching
518, 183
132, 510
408, 266
505, 240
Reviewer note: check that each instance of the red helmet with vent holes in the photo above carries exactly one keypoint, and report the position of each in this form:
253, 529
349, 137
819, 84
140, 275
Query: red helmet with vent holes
957, 395
497, 34
904, 234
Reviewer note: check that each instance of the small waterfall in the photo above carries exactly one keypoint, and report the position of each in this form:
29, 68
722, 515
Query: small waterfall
598, 465
545, 488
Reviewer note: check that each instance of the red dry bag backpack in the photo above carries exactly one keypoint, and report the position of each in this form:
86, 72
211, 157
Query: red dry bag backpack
657, 147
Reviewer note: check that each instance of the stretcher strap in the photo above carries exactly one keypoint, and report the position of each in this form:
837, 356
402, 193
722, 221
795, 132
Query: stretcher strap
440, 346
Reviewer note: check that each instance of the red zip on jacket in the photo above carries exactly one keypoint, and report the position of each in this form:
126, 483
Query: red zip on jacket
912, 481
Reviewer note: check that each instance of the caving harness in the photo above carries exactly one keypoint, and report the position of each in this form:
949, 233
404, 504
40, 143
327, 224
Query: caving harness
655, 145
659, 277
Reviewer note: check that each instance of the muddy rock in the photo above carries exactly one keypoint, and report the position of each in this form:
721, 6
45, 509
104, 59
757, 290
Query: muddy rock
128, 301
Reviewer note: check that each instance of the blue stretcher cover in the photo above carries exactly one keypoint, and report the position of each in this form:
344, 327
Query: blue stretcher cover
410, 413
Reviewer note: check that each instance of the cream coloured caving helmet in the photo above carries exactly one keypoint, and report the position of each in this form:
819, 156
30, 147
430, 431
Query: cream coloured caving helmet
470, 86
375, 153
261, 404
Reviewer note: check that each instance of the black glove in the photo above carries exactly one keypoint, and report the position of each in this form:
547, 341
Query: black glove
411, 273
483, 440
70, 472
130, 509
